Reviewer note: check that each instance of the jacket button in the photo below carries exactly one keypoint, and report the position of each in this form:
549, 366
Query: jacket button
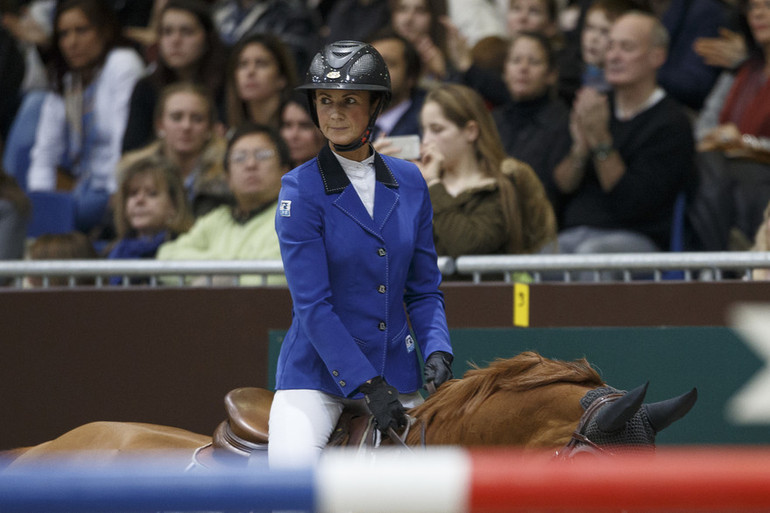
335, 373
381, 289
381, 252
342, 383
382, 326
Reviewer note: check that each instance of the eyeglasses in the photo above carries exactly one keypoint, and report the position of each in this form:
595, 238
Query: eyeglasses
242, 156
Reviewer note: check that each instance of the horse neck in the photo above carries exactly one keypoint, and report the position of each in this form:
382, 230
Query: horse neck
539, 418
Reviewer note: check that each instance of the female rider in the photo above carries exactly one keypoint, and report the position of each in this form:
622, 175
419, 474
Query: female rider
355, 230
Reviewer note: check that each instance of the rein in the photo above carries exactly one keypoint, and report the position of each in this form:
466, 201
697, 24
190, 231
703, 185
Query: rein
580, 443
400, 440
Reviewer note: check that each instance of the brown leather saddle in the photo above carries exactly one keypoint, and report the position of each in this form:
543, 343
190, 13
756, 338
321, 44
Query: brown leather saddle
245, 430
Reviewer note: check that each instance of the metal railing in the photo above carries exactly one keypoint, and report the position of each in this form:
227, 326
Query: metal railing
616, 267
508, 268
154, 272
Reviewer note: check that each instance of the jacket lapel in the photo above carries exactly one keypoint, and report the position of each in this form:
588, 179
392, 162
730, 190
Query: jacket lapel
385, 192
336, 182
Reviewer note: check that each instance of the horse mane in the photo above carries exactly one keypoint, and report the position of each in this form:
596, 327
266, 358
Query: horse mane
525, 371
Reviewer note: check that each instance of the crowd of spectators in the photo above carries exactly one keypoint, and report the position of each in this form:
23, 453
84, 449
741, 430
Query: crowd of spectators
570, 126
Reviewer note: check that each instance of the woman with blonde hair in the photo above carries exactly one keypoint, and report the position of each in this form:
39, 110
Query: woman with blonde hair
154, 178
484, 202
150, 209
185, 118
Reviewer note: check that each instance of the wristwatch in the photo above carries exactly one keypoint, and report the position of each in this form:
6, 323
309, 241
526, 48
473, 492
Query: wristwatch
601, 152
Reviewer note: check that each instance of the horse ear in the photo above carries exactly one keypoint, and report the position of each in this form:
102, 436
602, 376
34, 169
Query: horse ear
615, 415
664, 413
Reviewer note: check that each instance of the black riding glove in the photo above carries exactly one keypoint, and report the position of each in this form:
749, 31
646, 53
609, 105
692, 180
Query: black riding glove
438, 368
382, 400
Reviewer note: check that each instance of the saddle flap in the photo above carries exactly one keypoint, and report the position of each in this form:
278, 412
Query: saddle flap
248, 410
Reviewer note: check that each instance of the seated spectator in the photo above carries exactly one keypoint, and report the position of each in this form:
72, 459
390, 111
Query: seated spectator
79, 137
534, 125
762, 243
291, 21
684, 75
532, 16
632, 150
60, 246
260, 77
31, 27
188, 50
402, 114
257, 158
540, 16
419, 22
14, 213
184, 124
298, 130
595, 38
743, 108
150, 209
483, 201
734, 148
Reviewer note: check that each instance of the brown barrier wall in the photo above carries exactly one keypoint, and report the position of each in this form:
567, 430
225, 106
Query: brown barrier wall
168, 356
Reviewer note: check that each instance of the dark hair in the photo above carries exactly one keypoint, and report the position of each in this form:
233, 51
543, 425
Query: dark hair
102, 17
543, 41
411, 57
236, 108
209, 67
300, 98
249, 128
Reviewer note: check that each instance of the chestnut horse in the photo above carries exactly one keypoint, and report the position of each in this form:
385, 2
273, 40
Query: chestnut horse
527, 401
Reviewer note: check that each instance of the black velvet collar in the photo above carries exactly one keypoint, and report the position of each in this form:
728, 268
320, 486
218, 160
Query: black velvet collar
334, 177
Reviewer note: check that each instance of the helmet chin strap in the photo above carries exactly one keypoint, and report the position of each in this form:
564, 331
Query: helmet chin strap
365, 137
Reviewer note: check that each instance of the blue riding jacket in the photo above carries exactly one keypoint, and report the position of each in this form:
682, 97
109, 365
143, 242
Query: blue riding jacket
356, 282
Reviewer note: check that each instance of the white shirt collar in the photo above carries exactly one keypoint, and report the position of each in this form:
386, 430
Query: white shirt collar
362, 177
657, 95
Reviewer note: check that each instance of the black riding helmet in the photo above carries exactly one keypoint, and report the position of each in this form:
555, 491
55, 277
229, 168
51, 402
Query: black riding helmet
350, 65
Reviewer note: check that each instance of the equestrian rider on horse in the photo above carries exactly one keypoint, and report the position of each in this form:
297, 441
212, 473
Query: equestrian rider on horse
355, 230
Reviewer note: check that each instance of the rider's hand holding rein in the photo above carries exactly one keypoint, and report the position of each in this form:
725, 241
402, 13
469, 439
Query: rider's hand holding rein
438, 368
382, 401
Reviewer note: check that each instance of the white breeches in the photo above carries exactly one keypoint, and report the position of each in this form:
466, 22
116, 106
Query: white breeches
301, 422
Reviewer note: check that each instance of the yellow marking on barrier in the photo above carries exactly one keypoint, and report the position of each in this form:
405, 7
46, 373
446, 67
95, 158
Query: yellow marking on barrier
521, 305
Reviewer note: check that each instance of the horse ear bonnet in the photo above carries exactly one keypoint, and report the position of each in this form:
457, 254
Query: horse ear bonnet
636, 435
